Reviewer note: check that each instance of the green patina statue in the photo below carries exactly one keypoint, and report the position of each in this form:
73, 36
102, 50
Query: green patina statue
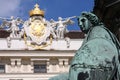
98, 57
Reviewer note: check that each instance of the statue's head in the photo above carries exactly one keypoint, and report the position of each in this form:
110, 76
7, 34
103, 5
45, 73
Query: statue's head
87, 20
60, 18
12, 17
51, 20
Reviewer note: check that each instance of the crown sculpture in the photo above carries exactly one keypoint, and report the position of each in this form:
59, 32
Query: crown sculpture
36, 11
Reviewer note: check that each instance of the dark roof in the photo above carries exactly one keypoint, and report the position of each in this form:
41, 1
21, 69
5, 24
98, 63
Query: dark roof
71, 34
4, 33
75, 35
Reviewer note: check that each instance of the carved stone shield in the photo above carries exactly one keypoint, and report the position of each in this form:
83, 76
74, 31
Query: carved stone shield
37, 31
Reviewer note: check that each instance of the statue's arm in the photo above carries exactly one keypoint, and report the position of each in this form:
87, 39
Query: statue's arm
68, 22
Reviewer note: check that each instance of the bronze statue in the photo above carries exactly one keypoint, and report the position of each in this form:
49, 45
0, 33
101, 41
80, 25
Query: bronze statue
97, 58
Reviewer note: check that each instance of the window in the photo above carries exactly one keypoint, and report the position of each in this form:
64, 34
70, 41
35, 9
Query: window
2, 68
40, 68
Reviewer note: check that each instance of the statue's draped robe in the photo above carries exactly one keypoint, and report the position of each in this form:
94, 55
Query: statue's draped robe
97, 58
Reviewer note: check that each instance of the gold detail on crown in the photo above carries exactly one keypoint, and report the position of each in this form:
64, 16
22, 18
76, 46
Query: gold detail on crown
36, 11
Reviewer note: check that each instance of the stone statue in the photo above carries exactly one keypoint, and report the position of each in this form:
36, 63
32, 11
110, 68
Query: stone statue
97, 58
58, 28
61, 26
51, 25
67, 39
12, 26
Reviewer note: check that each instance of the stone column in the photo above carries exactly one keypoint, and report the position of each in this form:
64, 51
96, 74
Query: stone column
18, 62
60, 62
60, 65
12, 62
66, 62
48, 64
32, 63
32, 66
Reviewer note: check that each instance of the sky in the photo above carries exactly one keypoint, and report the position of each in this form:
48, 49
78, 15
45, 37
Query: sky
53, 9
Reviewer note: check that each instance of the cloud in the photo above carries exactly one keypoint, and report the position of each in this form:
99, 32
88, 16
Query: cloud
9, 8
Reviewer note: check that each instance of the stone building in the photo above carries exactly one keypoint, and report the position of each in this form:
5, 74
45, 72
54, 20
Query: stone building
20, 61
17, 63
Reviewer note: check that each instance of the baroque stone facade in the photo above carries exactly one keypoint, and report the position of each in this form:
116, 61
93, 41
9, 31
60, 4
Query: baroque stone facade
17, 63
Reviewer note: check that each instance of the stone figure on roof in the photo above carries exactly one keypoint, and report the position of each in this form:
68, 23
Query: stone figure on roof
61, 26
52, 25
12, 25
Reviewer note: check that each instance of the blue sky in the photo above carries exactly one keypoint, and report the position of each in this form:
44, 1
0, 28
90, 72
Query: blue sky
53, 8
